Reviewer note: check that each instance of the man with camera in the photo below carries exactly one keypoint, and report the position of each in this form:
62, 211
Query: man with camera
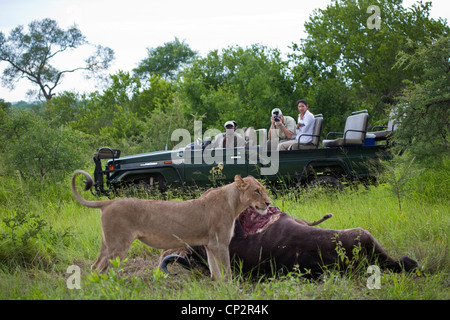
282, 127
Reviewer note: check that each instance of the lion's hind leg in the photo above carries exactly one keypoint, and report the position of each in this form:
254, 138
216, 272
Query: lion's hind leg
99, 263
110, 251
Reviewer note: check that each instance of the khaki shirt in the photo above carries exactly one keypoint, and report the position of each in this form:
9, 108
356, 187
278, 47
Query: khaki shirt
290, 125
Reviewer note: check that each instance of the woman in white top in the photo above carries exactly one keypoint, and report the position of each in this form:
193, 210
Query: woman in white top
304, 128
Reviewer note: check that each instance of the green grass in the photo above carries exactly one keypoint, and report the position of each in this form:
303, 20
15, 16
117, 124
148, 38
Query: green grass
64, 233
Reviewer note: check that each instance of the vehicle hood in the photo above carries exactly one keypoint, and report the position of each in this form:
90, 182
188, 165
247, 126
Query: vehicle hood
146, 157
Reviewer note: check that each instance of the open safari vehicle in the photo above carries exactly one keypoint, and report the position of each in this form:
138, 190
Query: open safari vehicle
345, 156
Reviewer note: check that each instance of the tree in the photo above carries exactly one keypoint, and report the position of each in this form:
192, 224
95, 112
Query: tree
165, 60
111, 114
349, 41
29, 54
4, 110
423, 113
156, 93
327, 93
64, 109
242, 84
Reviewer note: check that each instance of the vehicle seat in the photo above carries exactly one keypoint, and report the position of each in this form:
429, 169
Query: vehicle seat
384, 134
354, 131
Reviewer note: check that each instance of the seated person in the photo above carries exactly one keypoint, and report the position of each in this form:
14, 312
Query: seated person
282, 127
220, 140
304, 128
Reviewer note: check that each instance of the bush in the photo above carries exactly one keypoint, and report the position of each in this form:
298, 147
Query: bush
27, 240
37, 149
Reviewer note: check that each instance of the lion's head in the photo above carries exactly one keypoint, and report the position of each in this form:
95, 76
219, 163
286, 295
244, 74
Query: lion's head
253, 193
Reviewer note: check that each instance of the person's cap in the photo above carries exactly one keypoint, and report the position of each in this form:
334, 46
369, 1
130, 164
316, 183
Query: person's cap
230, 123
276, 110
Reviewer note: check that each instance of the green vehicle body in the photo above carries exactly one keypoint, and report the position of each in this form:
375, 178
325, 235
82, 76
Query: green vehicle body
187, 168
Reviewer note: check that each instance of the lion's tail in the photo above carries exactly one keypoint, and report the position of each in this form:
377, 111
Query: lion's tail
89, 183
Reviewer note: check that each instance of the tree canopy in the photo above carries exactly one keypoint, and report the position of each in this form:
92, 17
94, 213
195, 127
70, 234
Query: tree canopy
423, 112
165, 60
236, 83
30, 52
343, 45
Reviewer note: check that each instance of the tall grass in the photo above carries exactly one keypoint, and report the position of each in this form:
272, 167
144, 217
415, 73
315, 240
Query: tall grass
70, 234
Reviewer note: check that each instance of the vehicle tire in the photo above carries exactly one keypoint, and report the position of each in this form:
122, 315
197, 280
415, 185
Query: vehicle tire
327, 182
157, 182
153, 184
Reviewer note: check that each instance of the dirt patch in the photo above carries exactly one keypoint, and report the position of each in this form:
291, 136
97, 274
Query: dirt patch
143, 268
139, 266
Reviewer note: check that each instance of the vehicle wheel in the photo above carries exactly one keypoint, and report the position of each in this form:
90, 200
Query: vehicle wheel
156, 182
327, 182
150, 184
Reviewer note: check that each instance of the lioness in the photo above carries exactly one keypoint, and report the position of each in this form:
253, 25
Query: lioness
207, 221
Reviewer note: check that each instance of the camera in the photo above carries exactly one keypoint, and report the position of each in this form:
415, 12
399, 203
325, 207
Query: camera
276, 116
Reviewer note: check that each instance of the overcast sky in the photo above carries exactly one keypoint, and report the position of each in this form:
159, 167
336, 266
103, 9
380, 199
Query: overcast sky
131, 26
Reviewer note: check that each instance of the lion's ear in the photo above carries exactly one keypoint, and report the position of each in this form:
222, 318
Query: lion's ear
240, 183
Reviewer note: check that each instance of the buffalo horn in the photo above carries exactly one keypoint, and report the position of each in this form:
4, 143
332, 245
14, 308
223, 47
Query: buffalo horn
174, 258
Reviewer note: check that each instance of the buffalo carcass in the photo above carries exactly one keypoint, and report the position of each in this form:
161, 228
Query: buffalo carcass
278, 242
